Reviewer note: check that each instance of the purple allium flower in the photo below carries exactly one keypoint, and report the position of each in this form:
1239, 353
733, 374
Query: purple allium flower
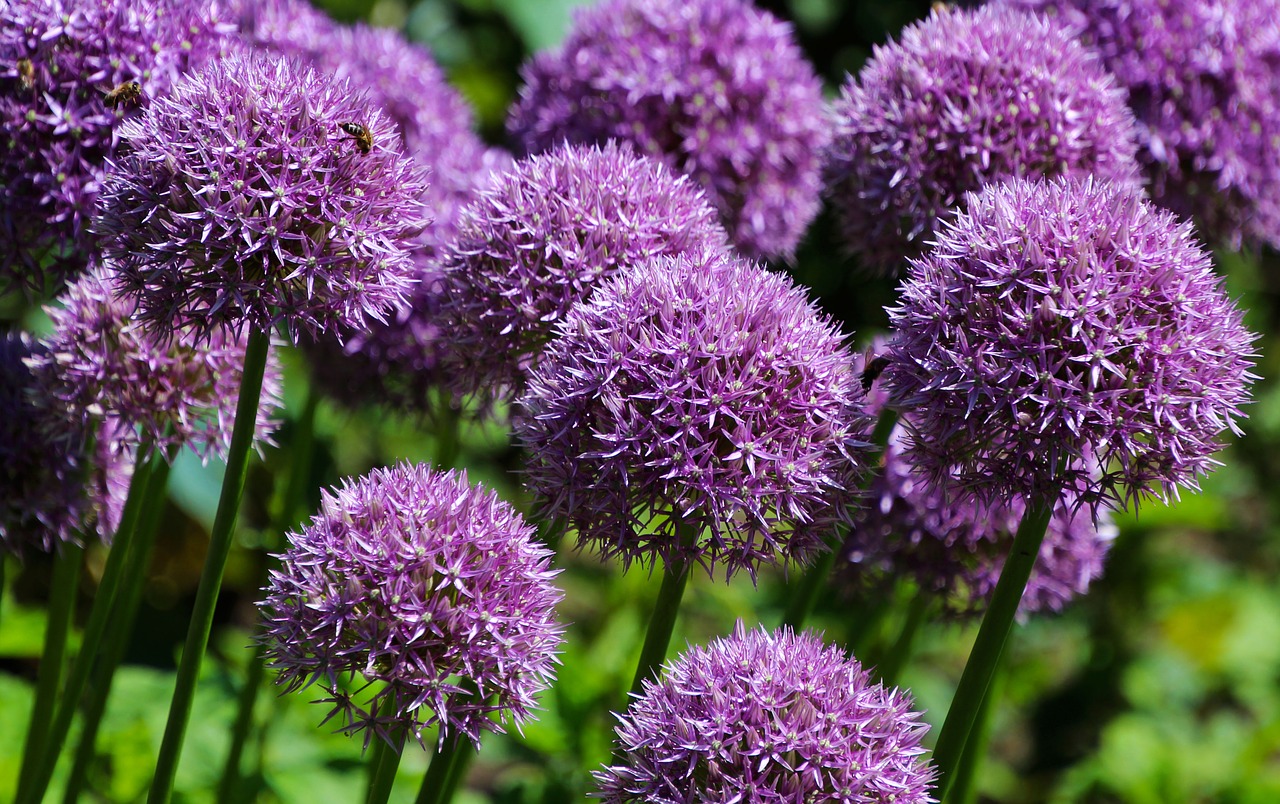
173, 389
764, 716
954, 547
697, 408
543, 237
250, 195
967, 98
60, 61
1204, 82
1066, 335
56, 480
423, 582
717, 88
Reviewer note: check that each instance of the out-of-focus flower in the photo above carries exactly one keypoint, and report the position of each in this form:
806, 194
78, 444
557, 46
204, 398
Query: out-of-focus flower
1066, 336
543, 237
171, 390
963, 99
58, 479
70, 71
717, 88
261, 191
1204, 82
423, 582
697, 408
775, 713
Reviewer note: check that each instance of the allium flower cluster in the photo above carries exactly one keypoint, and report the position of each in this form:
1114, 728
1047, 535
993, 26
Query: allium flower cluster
56, 480
717, 88
1067, 335
424, 582
954, 546
172, 389
1204, 82
543, 237
60, 61
963, 99
261, 191
697, 408
766, 716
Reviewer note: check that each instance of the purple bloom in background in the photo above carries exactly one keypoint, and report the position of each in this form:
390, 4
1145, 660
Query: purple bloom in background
777, 714
172, 389
697, 408
62, 66
57, 480
261, 191
543, 237
717, 88
1067, 336
953, 547
1204, 82
426, 583
964, 99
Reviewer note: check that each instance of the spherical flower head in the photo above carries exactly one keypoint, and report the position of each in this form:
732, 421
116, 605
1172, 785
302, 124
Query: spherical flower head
775, 713
954, 547
966, 98
1203, 78
66, 73
261, 191
697, 408
170, 390
543, 237
717, 88
1066, 335
423, 582
57, 481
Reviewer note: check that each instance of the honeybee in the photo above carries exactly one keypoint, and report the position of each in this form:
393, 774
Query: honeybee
357, 132
871, 373
128, 92
26, 73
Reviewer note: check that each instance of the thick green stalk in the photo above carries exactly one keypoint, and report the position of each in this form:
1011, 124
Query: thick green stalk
220, 540
62, 598
811, 583
119, 631
989, 645
662, 621
963, 789
446, 768
113, 574
383, 766
289, 512
900, 653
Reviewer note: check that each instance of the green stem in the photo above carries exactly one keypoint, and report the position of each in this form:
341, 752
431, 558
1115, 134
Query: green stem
220, 540
446, 768
383, 766
805, 596
119, 631
900, 653
288, 513
989, 645
113, 574
448, 443
62, 598
675, 577
962, 789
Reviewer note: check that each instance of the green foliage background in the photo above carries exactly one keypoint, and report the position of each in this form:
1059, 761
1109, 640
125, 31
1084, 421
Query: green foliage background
1160, 686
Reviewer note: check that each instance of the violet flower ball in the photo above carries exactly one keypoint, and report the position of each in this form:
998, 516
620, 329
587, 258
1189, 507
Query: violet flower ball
424, 583
59, 479
70, 72
262, 192
775, 713
696, 408
169, 391
963, 99
1203, 78
542, 238
717, 88
1066, 336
